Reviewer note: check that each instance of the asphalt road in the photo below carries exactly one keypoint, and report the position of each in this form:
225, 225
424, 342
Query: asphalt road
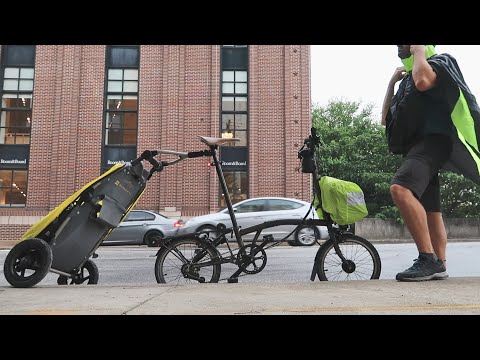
134, 265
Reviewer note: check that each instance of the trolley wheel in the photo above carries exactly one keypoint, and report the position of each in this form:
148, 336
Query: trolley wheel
28, 262
91, 277
363, 261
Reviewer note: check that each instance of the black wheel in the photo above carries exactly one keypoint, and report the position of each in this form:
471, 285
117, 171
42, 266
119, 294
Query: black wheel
174, 262
63, 280
153, 238
306, 235
88, 272
213, 232
27, 263
363, 261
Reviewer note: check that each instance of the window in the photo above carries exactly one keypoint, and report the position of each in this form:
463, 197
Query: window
237, 185
234, 118
13, 188
121, 104
251, 206
17, 74
278, 204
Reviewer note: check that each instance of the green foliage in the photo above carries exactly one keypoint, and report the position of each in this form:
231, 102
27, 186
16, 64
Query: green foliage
460, 196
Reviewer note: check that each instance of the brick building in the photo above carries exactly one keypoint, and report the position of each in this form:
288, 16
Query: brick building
71, 111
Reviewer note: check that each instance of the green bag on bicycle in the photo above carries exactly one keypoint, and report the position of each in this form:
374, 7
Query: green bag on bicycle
343, 200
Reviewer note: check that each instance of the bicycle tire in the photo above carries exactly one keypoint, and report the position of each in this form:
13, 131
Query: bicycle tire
169, 268
354, 248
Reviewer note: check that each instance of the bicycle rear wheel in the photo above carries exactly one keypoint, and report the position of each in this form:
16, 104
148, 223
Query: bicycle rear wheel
174, 262
363, 260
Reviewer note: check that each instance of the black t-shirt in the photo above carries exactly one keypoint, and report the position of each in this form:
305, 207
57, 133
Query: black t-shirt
427, 110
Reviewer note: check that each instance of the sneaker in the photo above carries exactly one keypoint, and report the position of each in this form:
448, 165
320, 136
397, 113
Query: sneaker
423, 269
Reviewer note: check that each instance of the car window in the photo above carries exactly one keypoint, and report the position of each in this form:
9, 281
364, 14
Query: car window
135, 216
149, 216
250, 206
280, 204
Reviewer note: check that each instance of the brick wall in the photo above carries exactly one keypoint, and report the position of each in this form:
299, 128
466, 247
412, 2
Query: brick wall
179, 99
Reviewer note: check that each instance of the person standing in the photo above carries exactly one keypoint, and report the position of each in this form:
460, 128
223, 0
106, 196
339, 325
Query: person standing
433, 121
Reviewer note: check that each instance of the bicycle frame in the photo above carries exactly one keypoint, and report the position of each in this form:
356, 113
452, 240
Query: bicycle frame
243, 259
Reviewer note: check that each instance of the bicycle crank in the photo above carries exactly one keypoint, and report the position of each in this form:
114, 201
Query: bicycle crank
252, 259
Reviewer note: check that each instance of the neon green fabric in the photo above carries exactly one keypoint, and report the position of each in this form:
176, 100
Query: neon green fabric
408, 62
343, 200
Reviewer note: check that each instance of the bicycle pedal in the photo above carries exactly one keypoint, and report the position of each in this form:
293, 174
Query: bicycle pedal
232, 280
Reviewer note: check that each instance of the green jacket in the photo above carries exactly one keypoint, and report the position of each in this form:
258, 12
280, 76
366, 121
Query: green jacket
465, 115
465, 156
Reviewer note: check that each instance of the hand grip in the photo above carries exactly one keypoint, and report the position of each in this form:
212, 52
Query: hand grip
194, 154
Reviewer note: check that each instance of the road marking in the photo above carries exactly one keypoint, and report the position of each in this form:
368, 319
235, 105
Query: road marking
381, 308
51, 312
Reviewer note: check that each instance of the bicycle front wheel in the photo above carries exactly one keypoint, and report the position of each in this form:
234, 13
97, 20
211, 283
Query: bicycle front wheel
363, 261
174, 262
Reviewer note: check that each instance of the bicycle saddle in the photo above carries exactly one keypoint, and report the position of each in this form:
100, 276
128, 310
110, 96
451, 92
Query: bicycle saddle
216, 141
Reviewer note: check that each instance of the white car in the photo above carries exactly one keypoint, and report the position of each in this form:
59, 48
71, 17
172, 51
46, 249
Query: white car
259, 210
142, 227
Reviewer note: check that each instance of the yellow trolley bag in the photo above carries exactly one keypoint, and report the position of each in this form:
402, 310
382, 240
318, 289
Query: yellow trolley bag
64, 240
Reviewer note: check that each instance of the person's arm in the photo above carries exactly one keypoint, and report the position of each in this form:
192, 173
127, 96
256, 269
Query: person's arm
422, 73
397, 76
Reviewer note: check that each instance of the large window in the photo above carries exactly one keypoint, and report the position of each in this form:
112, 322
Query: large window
121, 105
234, 119
13, 188
17, 75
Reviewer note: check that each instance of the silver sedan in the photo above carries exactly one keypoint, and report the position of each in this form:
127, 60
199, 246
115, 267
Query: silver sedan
255, 211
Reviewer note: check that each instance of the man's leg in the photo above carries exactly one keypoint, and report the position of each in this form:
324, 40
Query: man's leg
414, 215
438, 235
415, 190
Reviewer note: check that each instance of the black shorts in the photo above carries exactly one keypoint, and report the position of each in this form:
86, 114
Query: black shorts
420, 167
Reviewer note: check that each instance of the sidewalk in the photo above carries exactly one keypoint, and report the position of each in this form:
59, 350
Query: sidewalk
454, 296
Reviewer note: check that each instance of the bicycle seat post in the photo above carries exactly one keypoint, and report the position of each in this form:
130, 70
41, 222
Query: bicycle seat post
228, 201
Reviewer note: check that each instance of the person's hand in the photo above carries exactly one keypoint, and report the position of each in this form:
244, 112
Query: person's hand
417, 50
398, 74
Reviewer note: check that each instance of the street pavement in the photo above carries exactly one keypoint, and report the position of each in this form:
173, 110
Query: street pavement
457, 295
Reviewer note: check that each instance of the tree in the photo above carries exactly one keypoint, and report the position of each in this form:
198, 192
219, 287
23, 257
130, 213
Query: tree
460, 196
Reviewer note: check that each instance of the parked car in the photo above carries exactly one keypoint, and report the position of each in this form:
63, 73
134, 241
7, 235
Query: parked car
255, 211
143, 227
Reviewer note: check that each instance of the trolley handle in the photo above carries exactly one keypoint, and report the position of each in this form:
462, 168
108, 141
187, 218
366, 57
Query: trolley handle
148, 155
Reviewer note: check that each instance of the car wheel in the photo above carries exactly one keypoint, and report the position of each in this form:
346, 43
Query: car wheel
152, 238
306, 235
213, 233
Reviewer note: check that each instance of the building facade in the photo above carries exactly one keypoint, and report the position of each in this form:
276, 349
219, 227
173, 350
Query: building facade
69, 112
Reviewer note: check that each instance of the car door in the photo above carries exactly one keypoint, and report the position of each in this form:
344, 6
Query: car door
130, 230
250, 212
282, 209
